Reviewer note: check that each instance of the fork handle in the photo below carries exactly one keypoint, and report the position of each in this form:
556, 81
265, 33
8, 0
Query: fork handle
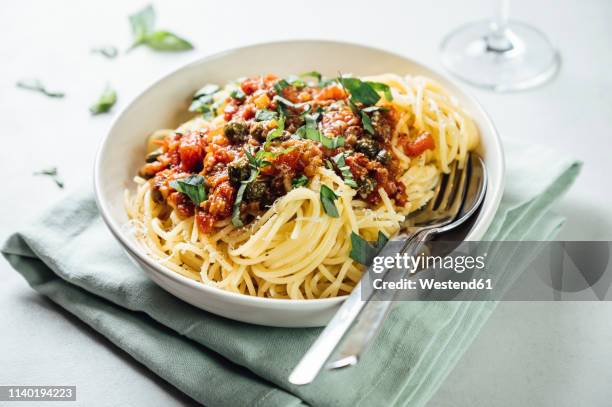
375, 311
314, 359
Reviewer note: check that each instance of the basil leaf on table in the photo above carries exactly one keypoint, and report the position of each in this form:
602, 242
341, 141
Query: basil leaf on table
52, 173
37, 86
364, 252
143, 23
328, 196
105, 102
192, 186
143, 30
107, 51
167, 41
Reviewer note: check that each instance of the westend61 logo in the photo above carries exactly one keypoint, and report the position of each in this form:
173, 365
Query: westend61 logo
456, 263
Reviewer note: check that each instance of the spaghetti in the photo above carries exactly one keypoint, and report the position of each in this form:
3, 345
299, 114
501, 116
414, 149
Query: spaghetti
269, 189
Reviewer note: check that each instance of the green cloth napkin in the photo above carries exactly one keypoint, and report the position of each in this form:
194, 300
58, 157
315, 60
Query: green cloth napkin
69, 256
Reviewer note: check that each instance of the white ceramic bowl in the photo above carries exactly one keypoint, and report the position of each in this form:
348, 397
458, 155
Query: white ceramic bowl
163, 105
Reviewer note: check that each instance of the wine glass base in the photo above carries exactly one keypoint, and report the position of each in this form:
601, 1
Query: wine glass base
529, 61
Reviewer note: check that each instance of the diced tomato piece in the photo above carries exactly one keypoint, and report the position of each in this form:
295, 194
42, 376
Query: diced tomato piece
205, 221
358, 165
223, 155
182, 204
290, 159
191, 152
422, 143
331, 92
229, 110
249, 85
247, 112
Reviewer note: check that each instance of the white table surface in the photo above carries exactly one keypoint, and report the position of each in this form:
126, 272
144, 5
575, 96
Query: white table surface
552, 354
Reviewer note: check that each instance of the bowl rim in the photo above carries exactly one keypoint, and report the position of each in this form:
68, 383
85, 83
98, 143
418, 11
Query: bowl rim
478, 230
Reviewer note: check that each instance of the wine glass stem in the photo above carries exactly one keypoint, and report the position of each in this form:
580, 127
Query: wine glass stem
498, 40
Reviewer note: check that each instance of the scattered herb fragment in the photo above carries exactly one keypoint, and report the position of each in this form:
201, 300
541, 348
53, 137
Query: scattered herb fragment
144, 33
105, 102
37, 86
53, 174
107, 51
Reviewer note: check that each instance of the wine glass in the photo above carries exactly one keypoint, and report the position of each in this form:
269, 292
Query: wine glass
501, 55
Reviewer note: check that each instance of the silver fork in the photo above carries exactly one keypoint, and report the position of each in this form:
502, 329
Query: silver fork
456, 197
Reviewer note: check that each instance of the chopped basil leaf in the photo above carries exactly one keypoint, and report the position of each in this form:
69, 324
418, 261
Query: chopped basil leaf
332, 143
107, 51
37, 86
257, 161
280, 85
238, 94
296, 81
327, 82
53, 174
251, 158
327, 199
310, 131
208, 89
105, 102
372, 109
381, 87
192, 186
345, 171
289, 103
362, 251
313, 74
265, 114
276, 133
300, 181
367, 122
236, 221
360, 91
260, 159
143, 30
203, 101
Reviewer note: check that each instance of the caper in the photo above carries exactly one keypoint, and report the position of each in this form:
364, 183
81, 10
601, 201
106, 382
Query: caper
368, 147
236, 131
383, 157
256, 191
238, 171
